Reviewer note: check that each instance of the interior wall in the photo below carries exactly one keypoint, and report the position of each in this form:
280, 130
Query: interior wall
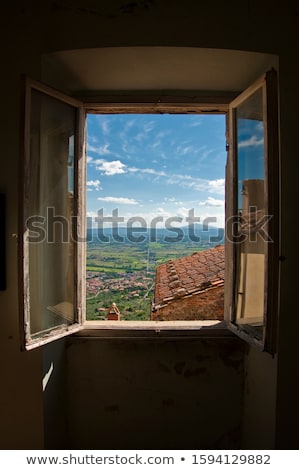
21, 399
30, 29
259, 400
54, 395
155, 394
154, 68
288, 345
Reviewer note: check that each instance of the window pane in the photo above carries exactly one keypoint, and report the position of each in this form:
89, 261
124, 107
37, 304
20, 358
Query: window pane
250, 247
50, 208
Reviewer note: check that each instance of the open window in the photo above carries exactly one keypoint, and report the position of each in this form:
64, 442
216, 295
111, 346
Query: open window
252, 211
52, 216
52, 228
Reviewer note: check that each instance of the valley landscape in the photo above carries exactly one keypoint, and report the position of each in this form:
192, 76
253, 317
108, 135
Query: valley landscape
123, 271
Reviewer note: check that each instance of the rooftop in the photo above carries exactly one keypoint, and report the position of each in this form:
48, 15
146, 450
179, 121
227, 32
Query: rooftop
189, 275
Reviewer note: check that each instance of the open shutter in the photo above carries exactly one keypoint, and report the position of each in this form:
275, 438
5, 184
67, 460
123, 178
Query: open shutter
52, 229
252, 214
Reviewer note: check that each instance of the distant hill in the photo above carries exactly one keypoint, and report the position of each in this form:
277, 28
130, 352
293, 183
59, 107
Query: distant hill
198, 234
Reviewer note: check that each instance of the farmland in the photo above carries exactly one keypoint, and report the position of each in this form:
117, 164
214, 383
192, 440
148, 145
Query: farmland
124, 273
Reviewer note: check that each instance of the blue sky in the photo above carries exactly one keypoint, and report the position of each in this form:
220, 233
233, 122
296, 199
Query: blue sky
250, 152
156, 165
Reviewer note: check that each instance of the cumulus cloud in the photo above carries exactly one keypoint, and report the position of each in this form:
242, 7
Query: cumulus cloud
116, 167
93, 184
217, 186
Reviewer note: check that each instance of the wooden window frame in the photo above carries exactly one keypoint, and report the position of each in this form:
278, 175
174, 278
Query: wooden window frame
148, 103
268, 84
27, 342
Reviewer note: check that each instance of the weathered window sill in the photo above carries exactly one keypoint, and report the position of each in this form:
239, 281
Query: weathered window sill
155, 329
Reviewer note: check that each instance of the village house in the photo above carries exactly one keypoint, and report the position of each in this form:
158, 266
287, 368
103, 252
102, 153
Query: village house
191, 287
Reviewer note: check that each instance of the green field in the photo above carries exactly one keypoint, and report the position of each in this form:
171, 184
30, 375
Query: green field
124, 273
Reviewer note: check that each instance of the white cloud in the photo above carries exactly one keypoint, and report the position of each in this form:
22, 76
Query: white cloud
118, 200
149, 126
169, 199
100, 149
252, 142
160, 212
206, 153
115, 167
92, 214
183, 212
197, 184
163, 134
184, 150
104, 149
156, 144
217, 186
126, 128
211, 202
260, 126
149, 171
186, 181
195, 124
140, 136
105, 127
93, 184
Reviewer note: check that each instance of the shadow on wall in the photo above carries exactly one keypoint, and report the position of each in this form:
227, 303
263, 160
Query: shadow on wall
166, 393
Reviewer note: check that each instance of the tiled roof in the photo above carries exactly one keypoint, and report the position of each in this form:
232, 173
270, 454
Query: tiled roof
189, 275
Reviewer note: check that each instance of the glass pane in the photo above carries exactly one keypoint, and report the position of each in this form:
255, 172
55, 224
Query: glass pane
250, 247
50, 209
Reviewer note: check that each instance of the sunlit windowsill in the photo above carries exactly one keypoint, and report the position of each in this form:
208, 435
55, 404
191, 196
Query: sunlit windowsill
151, 329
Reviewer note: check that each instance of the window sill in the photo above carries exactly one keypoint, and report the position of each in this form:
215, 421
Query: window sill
155, 329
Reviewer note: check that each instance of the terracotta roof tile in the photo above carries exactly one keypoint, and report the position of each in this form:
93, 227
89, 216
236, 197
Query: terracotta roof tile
194, 273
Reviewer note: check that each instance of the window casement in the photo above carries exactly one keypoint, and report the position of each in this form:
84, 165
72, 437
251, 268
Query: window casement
52, 221
252, 214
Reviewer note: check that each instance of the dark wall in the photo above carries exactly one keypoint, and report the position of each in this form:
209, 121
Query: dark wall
155, 394
29, 29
